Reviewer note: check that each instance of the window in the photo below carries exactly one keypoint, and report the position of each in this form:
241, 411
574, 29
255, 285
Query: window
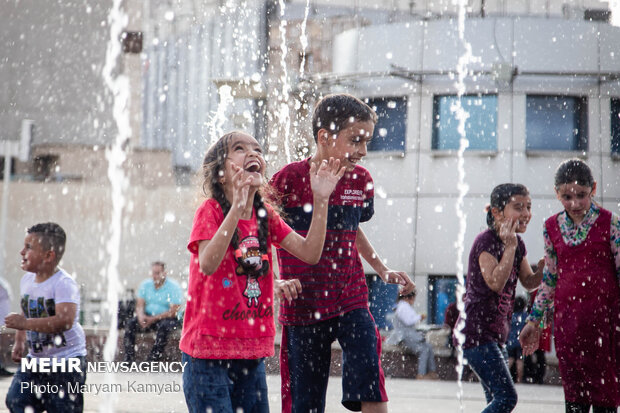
615, 126
441, 292
480, 126
558, 123
391, 128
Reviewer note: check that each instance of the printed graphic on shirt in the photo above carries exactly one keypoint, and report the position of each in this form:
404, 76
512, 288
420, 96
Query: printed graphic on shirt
250, 265
40, 308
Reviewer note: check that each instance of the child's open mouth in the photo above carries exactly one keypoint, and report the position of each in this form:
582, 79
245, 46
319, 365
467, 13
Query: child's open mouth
253, 166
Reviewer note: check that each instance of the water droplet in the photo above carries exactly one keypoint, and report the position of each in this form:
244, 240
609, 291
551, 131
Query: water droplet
438, 208
262, 213
169, 217
307, 208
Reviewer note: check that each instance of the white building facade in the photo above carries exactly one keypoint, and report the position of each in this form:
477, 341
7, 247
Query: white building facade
538, 90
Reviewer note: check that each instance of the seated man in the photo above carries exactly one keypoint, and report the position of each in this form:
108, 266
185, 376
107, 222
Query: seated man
405, 320
157, 304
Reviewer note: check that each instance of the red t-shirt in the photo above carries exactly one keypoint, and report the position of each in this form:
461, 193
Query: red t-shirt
229, 314
337, 284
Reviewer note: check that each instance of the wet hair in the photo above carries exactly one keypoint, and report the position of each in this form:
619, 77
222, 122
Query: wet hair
501, 196
213, 168
519, 304
51, 236
573, 171
336, 112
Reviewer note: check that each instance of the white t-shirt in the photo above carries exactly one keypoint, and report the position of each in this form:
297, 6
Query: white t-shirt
39, 300
407, 315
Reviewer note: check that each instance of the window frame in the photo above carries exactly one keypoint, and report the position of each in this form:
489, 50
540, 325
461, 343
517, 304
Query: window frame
435, 130
582, 142
370, 101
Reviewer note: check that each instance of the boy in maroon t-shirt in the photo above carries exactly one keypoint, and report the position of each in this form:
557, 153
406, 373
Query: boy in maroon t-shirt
333, 303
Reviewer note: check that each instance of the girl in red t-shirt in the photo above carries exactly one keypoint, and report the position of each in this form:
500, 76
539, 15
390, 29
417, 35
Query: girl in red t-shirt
229, 323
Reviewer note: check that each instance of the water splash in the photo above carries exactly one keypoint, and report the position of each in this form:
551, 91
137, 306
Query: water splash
303, 39
119, 87
461, 115
283, 112
216, 125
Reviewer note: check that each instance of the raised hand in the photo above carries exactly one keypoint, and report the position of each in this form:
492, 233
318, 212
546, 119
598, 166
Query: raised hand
325, 177
240, 187
508, 232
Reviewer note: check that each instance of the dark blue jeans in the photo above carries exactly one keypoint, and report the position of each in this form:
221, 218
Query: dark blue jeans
225, 386
490, 363
53, 389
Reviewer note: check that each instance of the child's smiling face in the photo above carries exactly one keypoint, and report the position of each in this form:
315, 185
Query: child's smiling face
519, 209
246, 153
349, 144
33, 254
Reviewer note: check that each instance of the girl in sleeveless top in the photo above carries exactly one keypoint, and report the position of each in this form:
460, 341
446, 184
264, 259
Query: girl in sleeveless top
581, 283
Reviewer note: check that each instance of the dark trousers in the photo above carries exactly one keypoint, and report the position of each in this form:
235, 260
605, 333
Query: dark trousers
52, 392
161, 327
490, 363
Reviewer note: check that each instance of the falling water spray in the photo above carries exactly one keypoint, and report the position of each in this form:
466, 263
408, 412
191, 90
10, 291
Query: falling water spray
283, 113
304, 40
461, 115
118, 85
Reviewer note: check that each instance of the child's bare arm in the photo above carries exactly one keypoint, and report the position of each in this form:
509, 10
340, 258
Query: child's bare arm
389, 276
530, 279
496, 273
211, 252
61, 321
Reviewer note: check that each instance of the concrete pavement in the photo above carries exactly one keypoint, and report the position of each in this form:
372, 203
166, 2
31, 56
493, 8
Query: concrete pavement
140, 393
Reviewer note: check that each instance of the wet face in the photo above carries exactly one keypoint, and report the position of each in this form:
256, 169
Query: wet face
519, 209
348, 145
34, 256
576, 199
245, 153
158, 273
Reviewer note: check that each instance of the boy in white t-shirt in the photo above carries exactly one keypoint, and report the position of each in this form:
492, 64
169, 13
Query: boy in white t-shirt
49, 327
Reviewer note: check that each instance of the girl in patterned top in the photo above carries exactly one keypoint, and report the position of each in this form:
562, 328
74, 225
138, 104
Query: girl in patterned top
580, 282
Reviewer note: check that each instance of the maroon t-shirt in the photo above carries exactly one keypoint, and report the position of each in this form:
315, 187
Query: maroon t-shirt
489, 313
